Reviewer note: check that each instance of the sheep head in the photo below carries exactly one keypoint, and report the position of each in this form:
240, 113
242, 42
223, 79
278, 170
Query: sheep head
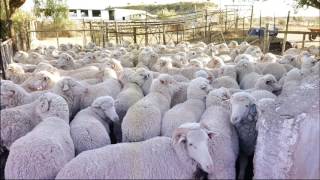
268, 82
191, 140
106, 104
219, 97
243, 106
198, 88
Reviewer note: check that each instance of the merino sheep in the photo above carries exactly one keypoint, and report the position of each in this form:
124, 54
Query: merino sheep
72, 91
215, 62
16, 73
143, 119
244, 117
18, 121
225, 81
224, 146
41, 153
89, 128
40, 81
189, 111
276, 69
13, 95
156, 158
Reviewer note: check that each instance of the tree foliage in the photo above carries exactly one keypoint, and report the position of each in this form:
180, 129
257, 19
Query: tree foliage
312, 3
55, 9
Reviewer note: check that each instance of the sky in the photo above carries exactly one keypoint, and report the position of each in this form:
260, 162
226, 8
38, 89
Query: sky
279, 8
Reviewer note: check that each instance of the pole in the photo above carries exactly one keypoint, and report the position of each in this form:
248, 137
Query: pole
135, 35
266, 44
303, 39
116, 28
251, 17
57, 36
206, 23
285, 34
226, 21
84, 33
164, 34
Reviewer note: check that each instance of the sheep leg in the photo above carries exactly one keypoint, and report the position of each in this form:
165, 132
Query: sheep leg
243, 162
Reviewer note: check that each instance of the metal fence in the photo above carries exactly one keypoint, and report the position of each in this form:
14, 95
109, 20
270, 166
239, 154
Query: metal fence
6, 57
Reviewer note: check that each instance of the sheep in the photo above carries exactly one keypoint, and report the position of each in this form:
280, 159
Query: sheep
244, 117
233, 44
249, 80
224, 146
89, 128
243, 67
255, 52
215, 62
17, 121
109, 87
41, 153
21, 57
72, 91
308, 62
156, 158
16, 73
132, 90
147, 58
13, 95
40, 81
228, 70
180, 96
269, 83
276, 69
290, 59
225, 81
189, 111
268, 57
143, 119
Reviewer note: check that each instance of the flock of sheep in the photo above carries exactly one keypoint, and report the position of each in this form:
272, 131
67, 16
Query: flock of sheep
170, 111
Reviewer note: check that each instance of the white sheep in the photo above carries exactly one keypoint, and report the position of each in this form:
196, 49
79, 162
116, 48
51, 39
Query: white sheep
244, 117
40, 81
16, 73
13, 95
181, 95
41, 153
225, 81
143, 119
156, 158
18, 121
243, 67
224, 146
188, 111
89, 128
109, 87
254, 51
228, 70
276, 69
215, 62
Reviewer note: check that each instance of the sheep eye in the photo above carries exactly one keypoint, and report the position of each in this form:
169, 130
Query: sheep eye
268, 82
190, 144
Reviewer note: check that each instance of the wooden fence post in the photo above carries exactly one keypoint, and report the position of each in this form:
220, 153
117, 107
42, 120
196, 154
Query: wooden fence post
266, 42
177, 33
206, 23
251, 17
84, 33
226, 21
91, 35
135, 35
107, 32
303, 39
116, 29
164, 34
237, 21
183, 32
102, 33
57, 37
285, 34
146, 34
2, 62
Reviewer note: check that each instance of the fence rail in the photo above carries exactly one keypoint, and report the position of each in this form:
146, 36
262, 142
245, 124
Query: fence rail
6, 57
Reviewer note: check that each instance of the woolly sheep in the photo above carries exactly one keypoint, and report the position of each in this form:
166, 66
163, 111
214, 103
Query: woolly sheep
13, 95
255, 52
269, 83
224, 146
189, 111
41, 153
181, 95
156, 158
243, 67
269, 57
228, 70
244, 117
21, 57
18, 121
72, 91
225, 81
143, 119
215, 62
276, 69
290, 60
40, 81
16, 73
89, 128
109, 87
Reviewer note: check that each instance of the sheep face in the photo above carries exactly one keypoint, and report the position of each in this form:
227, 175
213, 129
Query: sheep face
290, 59
14, 69
268, 82
244, 66
8, 93
65, 61
140, 76
40, 81
268, 57
254, 51
165, 84
220, 97
19, 56
194, 140
215, 62
198, 88
106, 104
242, 104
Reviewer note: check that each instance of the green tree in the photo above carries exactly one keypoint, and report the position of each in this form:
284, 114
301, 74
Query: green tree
312, 3
8, 8
57, 10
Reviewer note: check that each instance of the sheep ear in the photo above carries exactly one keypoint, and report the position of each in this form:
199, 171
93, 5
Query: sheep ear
44, 105
65, 87
180, 139
211, 134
